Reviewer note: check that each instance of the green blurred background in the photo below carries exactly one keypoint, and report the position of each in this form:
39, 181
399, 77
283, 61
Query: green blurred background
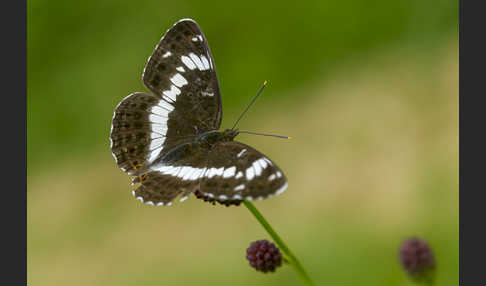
368, 89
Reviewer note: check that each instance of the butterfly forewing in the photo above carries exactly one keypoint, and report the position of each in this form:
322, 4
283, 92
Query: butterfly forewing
236, 172
181, 69
185, 100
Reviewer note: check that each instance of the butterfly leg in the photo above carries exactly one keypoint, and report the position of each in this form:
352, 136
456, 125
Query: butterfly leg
135, 166
138, 178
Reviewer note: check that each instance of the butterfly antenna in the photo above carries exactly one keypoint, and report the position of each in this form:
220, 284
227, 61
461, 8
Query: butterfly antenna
251, 102
263, 134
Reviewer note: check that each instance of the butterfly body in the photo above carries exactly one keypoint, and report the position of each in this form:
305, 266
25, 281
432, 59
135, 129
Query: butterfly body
211, 137
201, 143
170, 139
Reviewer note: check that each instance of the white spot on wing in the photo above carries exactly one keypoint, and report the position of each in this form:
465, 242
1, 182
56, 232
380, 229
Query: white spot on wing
180, 69
241, 153
157, 120
230, 172
188, 62
172, 93
257, 167
178, 80
190, 174
154, 154
282, 189
205, 62
211, 62
160, 168
156, 143
223, 197
215, 172
204, 93
197, 61
196, 175
263, 163
239, 175
220, 171
159, 111
168, 54
164, 104
183, 198
184, 171
236, 197
272, 177
173, 171
250, 173
239, 187
210, 173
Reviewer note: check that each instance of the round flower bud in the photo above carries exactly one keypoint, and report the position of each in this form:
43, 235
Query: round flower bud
417, 259
264, 256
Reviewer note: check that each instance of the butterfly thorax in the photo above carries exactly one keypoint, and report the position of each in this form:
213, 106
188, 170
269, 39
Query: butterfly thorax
214, 136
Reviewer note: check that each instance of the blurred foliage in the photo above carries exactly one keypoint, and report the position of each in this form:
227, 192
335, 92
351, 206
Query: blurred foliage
85, 56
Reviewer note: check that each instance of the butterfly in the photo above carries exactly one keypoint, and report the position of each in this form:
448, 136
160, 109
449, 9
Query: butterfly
169, 139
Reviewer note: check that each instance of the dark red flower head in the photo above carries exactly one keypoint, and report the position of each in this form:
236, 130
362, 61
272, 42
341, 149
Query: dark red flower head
264, 256
417, 259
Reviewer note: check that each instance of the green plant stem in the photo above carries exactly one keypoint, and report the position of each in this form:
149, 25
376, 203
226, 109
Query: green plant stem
292, 258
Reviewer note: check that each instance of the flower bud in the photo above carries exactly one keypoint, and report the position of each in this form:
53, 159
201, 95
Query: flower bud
264, 256
417, 259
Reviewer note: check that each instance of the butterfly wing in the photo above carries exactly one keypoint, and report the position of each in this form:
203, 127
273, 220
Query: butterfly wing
182, 62
178, 174
237, 172
185, 100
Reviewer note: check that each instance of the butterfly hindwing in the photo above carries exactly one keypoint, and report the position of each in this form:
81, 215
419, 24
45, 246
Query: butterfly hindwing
177, 173
237, 172
138, 132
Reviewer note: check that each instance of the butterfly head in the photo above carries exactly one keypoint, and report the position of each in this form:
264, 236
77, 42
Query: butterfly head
230, 134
